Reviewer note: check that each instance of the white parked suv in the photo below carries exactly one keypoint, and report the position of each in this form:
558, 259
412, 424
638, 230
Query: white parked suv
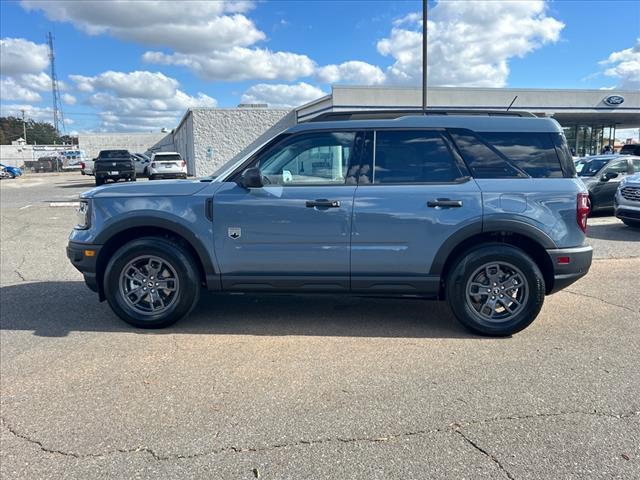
167, 165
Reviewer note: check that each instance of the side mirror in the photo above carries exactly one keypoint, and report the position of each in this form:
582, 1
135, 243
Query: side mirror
609, 176
252, 178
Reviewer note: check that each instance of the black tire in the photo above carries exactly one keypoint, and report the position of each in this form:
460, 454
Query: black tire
99, 181
631, 223
464, 305
179, 259
152, 177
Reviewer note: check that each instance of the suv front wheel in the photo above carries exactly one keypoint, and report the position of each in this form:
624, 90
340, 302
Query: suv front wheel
495, 289
152, 282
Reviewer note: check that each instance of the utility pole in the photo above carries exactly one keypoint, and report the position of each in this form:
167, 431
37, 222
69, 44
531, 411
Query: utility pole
24, 128
424, 56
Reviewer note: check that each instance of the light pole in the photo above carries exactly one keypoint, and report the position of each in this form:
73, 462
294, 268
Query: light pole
424, 56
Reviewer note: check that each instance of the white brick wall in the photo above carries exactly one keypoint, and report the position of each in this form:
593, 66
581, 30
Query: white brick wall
92, 143
228, 132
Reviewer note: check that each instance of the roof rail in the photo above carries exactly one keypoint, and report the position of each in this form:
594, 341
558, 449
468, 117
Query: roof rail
391, 114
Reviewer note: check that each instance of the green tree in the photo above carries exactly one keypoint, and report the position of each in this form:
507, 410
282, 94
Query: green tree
41, 133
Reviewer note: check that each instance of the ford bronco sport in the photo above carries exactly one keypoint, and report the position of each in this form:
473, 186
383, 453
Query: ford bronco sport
485, 212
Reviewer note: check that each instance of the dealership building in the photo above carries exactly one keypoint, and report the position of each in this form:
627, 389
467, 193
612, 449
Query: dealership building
208, 137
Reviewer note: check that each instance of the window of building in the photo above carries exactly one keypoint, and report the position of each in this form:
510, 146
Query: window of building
413, 157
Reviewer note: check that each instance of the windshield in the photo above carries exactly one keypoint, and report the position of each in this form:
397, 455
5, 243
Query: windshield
588, 168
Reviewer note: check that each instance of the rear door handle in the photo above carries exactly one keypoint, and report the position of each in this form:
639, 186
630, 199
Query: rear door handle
444, 202
322, 203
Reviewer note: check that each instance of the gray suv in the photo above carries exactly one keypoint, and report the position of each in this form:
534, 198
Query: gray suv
483, 211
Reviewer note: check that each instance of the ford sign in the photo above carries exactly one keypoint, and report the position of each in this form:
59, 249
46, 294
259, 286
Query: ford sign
614, 100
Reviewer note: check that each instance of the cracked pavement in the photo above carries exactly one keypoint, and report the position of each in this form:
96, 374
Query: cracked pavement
308, 387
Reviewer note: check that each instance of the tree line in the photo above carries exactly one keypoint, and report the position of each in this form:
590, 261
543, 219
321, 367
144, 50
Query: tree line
38, 133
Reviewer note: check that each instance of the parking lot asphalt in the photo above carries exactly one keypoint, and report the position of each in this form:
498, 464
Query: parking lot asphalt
307, 387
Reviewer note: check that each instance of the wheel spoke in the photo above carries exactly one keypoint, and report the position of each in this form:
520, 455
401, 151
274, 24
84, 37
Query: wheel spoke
166, 285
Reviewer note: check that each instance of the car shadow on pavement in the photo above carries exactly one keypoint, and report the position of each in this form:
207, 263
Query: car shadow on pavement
54, 309
616, 232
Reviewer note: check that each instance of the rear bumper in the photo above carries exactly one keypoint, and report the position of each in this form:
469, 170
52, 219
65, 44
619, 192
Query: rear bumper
564, 274
85, 264
168, 174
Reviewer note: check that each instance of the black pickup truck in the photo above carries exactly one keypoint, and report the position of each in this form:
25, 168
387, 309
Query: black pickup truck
114, 165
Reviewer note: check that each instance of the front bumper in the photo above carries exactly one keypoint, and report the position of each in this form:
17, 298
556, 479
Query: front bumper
569, 265
626, 209
84, 263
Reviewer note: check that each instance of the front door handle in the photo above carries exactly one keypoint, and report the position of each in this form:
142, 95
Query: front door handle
444, 202
322, 203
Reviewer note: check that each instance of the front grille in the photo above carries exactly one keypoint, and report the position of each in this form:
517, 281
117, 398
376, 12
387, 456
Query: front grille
631, 193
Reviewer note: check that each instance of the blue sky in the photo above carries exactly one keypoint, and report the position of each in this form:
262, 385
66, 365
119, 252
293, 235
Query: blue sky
138, 65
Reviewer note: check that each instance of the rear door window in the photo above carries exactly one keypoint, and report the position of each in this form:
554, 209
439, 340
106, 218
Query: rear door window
636, 165
413, 156
534, 153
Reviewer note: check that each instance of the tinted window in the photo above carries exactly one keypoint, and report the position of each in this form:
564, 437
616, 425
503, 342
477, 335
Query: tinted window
163, 158
413, 157
563, 152
114, 154
309, 159
532, 152
636, 165
483, 160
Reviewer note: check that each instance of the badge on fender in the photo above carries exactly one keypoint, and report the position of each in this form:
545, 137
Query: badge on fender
234, 232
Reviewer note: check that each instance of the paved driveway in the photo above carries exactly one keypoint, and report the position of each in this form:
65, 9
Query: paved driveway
308, 387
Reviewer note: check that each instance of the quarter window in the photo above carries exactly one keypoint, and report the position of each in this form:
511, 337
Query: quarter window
310, 159
636, 165
412, 157
532, 152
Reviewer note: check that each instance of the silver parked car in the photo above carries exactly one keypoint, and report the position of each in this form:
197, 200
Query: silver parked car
627, 201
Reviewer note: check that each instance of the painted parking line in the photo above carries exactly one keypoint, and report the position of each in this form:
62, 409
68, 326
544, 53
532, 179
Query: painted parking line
64, 204
24, 208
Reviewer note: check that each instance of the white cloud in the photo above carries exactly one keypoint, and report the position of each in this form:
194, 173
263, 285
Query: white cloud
625, 67
470, 43
39, 114
10, 89
20, 56
137, 100
239, 63
138, 84
69, 99
282, 95
356, 72
185, 26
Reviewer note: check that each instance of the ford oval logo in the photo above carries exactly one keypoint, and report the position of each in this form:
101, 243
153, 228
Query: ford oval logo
614, 100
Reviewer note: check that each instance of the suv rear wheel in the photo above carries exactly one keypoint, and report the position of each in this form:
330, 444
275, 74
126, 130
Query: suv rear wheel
495, 289
152, 282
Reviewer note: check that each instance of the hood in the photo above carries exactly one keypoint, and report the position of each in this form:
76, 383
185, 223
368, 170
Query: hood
157, 188
631, 180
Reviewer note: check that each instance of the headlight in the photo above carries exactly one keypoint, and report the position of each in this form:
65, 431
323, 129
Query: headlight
83, 215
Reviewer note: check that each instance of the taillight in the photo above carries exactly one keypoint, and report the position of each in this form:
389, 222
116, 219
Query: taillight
184, 164
82, 166
584, 205
153, 164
